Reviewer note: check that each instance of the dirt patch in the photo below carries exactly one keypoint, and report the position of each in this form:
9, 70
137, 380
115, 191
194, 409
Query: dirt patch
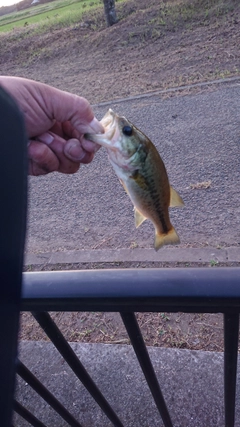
174, 330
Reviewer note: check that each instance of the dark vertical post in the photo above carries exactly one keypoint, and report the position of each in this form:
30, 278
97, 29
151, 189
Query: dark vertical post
140, 349
110, 12
13, 191
231, 330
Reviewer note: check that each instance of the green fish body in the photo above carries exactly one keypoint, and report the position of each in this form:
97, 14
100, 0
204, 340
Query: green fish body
142, 173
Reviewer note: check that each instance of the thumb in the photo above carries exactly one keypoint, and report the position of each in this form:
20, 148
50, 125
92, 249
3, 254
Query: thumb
65, 106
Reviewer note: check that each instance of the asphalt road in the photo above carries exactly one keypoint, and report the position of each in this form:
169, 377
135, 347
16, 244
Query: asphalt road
198, 137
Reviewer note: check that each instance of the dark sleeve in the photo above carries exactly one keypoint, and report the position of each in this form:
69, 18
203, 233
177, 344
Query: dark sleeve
13, 202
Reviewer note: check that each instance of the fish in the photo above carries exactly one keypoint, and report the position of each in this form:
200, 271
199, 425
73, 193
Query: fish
142, 173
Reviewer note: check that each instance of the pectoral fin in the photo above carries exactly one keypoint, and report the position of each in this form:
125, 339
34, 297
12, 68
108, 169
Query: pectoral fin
139, 218
175, 199
170, 238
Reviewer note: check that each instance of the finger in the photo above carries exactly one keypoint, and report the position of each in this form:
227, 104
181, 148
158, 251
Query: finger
57, 128
69, 154
73, 150
41, 159
65, 130
68, 130
90, 146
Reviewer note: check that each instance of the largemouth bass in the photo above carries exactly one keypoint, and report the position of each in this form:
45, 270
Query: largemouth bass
142, 173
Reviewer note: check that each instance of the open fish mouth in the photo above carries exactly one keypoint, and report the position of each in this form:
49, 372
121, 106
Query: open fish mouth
109, 122
109, 119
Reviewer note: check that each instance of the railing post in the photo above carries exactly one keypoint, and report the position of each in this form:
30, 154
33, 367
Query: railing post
55, 335
231, 331
135, 335
28, 416
30, 379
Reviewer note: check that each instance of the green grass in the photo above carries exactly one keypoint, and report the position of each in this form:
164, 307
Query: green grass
171, 15
55, 14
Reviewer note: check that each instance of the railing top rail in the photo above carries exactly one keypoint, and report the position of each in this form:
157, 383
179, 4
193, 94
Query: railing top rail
178, 289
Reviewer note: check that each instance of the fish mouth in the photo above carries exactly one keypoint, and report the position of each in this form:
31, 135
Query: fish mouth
109, 122
109, 119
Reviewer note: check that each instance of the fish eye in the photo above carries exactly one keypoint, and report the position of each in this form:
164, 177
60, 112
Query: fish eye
127, 130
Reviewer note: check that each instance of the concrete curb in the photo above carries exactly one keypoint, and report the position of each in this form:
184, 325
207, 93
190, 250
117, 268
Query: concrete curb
172, 255
153, 93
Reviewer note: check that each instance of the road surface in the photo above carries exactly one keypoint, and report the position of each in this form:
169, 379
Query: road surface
198, 137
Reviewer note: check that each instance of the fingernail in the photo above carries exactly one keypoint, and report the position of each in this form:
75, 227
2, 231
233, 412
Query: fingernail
74, 150
46, 137
96, 126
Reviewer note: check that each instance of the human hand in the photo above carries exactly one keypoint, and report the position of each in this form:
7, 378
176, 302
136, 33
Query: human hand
56, 122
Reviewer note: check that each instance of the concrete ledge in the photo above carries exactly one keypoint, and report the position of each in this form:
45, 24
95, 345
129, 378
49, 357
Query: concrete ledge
191, 382
176, 89
173, 255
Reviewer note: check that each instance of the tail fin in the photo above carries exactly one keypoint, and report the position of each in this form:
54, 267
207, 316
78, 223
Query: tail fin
170, 238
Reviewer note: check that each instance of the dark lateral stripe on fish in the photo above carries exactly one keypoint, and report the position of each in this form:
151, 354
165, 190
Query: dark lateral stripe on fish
149, 183
161, 216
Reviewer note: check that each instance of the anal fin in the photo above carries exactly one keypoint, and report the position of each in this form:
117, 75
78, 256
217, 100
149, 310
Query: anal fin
175, 199
139, 218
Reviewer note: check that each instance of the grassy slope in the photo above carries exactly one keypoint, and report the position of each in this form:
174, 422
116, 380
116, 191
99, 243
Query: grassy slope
154, 45
65, 11
163, 16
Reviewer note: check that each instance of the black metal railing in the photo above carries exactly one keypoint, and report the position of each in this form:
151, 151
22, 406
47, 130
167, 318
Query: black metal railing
129, 291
